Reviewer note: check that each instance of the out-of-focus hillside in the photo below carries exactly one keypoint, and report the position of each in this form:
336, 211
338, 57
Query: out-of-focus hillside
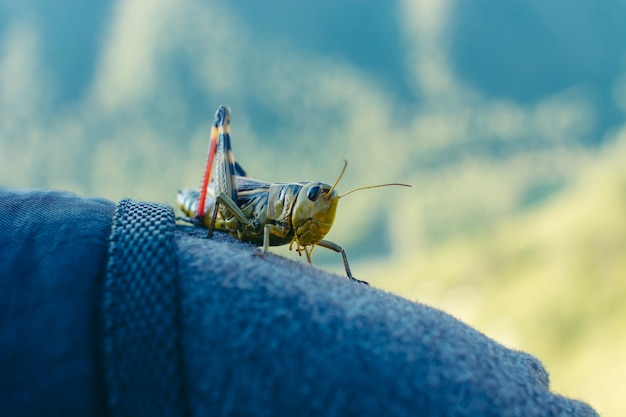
550, 281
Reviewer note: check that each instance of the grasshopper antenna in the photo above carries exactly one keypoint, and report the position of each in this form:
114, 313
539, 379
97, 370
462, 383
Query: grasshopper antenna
375, 186
345, 165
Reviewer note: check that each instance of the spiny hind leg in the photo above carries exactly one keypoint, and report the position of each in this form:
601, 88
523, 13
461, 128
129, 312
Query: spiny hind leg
220, 168
223, 175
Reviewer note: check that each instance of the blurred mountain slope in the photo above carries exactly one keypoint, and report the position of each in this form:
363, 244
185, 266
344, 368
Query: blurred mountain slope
551, 281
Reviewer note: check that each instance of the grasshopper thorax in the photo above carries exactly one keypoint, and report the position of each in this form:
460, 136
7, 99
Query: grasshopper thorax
313, 213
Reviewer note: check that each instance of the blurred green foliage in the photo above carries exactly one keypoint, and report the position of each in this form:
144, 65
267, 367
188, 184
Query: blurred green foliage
549, 281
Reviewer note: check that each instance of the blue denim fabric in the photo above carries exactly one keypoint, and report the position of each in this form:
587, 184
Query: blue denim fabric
53, 248
261, 336
282, 338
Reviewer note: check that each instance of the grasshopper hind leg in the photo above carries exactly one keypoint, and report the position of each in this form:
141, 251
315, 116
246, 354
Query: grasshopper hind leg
239, 171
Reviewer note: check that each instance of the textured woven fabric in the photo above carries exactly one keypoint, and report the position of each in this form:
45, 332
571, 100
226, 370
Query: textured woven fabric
143, 359
53, 252
260, 335
274, 337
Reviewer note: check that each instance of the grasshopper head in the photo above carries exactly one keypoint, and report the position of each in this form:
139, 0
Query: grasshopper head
314, 212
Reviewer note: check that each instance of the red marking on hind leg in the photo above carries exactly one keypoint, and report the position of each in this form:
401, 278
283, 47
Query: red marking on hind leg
207, 172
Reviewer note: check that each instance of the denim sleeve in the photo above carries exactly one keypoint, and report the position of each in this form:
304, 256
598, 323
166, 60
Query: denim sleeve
238, 333
272, 337
53, 248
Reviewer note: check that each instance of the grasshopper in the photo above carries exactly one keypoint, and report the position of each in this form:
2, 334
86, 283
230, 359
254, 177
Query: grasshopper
266, 214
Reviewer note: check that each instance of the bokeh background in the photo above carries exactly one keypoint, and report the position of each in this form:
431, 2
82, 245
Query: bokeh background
507, 117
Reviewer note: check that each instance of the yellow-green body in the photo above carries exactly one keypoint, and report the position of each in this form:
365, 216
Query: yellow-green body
295, 213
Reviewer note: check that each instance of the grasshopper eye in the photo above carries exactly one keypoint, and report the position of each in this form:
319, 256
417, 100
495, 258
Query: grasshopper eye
313, 193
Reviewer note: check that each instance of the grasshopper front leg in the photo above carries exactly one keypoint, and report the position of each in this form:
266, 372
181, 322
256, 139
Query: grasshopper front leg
339, 249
